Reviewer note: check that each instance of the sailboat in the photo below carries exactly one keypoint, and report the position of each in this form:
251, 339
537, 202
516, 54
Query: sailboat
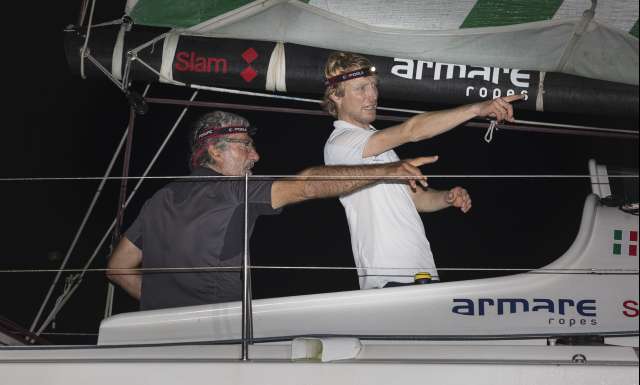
574, 320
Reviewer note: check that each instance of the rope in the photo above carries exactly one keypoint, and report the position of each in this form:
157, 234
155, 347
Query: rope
276, 71
83, 13
83, 51
576, 36
488, 137
134, 51
541, 92
204, 269
320, 177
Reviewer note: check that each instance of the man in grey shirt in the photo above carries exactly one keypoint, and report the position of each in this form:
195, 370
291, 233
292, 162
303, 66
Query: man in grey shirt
199, 222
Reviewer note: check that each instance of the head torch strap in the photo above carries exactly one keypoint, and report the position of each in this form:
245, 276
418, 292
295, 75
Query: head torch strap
209, 132
367, 71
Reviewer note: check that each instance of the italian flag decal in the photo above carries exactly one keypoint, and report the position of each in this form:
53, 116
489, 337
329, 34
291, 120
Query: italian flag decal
624, 241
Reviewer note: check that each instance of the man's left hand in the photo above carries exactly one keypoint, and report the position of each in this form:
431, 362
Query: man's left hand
459, 197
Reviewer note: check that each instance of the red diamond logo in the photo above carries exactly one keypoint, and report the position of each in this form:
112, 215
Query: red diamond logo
248, 74
250, 55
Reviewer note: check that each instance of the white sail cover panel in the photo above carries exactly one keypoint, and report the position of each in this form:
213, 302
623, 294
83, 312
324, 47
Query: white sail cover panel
405, 14
446, 15
597, 51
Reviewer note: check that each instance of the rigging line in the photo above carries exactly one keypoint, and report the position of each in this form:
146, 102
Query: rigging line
563, 128
585, 270
247, 334
137, 271
83, 12
123, 193
488, 137
69, 334
317, 177
132, 55
446, 337
108, 305
157, 73
133, 193
125, 173
125, 76
83, 51
236, 106
104, 71
134, 51
107, 23
87, 214
62, 300
562, 125
624, 134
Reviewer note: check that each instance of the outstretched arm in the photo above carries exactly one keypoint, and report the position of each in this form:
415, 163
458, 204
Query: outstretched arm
126, 256
430, 124
431, 200
284, 192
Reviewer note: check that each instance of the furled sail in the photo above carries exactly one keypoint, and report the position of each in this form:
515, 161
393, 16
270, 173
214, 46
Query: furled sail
578, 37
260, 65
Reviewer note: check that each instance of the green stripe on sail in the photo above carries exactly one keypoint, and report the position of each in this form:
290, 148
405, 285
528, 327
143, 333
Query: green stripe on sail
490, 13
634, 30
181, 13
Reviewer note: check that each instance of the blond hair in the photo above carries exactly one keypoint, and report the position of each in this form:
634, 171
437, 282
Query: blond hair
337, 64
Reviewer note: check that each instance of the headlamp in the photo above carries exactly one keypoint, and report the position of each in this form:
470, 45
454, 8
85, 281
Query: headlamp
362, 72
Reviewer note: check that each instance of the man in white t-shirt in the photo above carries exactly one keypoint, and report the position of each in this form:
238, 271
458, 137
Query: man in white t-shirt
387, 235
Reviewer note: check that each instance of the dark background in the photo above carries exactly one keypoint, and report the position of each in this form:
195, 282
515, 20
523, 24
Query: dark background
58, 125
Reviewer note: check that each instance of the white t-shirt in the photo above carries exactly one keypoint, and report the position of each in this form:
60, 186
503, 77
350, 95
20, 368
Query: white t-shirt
386, 229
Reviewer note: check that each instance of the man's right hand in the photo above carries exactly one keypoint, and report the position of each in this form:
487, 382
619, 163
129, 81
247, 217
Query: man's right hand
350, 178
499, 108
409, 167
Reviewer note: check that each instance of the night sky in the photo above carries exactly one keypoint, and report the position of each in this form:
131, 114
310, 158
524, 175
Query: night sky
58, 125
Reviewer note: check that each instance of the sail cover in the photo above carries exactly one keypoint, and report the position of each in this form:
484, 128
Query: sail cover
576, 37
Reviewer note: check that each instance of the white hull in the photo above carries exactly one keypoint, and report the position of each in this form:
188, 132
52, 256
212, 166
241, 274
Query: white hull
428, 323
552, 302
